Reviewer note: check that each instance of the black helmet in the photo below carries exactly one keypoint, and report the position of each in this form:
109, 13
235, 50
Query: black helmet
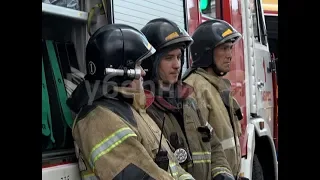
164, 34
115, 49
207, 36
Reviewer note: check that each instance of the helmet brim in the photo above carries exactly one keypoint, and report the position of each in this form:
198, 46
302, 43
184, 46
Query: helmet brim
147, 55
187, 40
233, 38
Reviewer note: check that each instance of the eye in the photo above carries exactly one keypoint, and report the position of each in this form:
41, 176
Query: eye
227, 47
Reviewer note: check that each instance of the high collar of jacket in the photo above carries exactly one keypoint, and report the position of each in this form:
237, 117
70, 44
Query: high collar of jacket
224, 87
181, 92
86, 93
220, 83
140, 99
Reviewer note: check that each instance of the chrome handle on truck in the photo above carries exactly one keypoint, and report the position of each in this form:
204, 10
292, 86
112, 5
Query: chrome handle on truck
260, 85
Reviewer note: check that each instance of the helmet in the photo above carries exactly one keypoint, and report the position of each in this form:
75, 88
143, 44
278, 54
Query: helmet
114, 50
163, 35
207, 36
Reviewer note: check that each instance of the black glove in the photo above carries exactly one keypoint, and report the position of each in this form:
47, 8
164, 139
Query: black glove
223, 176
243, 178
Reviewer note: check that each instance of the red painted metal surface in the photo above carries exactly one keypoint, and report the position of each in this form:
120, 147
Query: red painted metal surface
56, 164
231, 12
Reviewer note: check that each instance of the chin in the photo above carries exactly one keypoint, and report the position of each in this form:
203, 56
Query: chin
173, 81
226, 70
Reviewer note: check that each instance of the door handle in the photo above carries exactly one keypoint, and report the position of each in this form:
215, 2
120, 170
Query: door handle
260, 85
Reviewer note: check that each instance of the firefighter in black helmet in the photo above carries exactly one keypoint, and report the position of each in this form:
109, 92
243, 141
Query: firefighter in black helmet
195, 145
211, 54
211, 35
115, 138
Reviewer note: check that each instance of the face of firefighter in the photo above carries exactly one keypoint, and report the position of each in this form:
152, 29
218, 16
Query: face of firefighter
138, 83
222, 55
169, 68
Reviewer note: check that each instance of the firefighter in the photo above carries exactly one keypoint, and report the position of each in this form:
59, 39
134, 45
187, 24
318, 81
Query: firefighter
211, 54
114, 136
192, 140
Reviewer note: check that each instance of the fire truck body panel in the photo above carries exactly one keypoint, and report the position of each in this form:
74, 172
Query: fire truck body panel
63, 172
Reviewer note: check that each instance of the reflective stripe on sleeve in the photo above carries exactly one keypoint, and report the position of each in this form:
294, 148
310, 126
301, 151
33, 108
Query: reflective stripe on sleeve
109, 143
201, 157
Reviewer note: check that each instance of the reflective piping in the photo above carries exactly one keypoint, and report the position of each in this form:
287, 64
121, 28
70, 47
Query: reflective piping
109, 143
90, 176
221, 170
174, 173
228, 143
173, 169
209, 126
186, 177
190, 165
201, 157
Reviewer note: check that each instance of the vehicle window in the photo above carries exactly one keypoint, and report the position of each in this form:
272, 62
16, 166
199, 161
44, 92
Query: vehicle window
255, 20
208, 8
259, 28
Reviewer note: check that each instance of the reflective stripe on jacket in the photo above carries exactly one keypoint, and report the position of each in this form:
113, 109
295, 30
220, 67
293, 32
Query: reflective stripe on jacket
207, 159
117, 140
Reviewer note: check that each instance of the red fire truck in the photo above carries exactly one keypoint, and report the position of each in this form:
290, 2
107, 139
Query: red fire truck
65, 33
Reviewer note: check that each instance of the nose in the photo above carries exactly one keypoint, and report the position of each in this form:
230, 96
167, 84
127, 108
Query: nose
229, 52
176, 63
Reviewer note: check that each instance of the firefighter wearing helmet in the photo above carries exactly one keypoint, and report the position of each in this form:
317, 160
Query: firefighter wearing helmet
211, 54
114, 137
192, 140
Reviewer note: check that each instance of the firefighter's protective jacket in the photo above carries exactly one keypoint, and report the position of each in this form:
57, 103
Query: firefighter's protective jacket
206, 160
222, 111
118, 140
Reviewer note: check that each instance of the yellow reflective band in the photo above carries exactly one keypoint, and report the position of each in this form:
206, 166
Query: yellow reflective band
201, 161
90, 176
109, 143
201, 153
227, 32
190, 165
201, 157
186, 177
219, 170
171, 36
173, 169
